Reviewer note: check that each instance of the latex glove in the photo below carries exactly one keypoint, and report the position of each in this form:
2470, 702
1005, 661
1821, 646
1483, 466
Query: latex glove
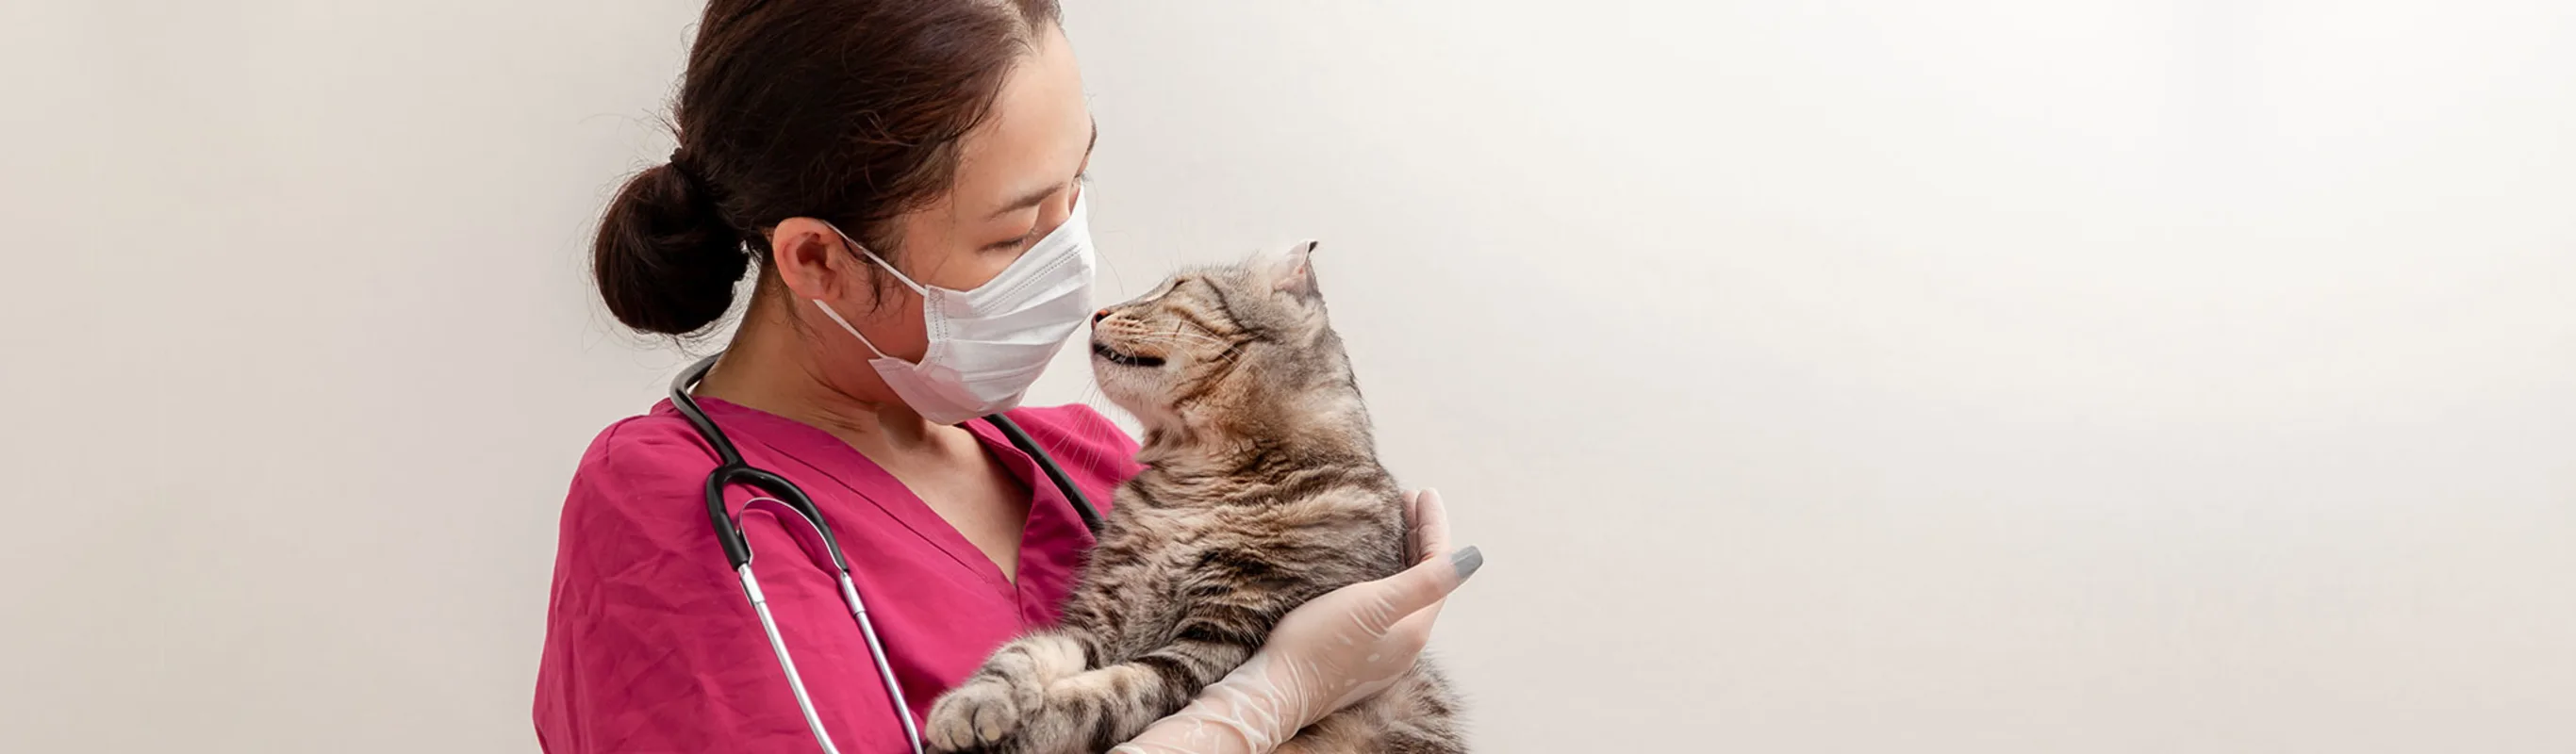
1334, 650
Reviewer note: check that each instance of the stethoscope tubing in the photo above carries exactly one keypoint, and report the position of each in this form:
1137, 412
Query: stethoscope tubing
779, 493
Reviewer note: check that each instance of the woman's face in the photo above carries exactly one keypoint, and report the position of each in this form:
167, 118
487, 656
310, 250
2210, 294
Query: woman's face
1017, 176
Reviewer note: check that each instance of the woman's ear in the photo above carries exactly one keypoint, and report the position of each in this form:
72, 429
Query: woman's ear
814, 261
1294, 274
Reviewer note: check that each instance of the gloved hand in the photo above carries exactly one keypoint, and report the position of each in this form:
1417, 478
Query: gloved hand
1334, 650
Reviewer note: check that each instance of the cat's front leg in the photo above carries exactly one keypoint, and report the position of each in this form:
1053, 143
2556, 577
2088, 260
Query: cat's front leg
1010, 688
1101, 708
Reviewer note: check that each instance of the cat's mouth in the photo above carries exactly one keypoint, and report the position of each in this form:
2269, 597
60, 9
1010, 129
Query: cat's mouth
1113, 356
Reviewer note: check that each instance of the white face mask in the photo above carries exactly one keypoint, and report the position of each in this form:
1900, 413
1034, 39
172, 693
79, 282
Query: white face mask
989, 344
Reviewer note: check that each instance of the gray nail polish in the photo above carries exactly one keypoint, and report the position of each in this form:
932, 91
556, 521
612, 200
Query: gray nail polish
1467, 561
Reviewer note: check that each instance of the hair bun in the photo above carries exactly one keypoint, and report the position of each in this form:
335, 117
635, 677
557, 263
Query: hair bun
665, 259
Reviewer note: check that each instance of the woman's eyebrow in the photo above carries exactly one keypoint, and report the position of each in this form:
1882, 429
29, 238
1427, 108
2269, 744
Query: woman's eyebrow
1032, 198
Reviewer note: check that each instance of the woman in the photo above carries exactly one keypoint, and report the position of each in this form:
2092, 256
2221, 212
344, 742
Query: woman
903, 177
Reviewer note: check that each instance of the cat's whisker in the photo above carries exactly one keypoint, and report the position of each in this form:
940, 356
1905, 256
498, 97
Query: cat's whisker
1182, 337
1172, 336
1183, 344
1192, 338
1093, 396
1177, 332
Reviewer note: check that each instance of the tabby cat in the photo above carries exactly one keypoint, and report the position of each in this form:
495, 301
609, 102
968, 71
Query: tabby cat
1261, 490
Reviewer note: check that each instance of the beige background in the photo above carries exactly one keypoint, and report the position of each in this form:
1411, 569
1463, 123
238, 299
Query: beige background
1819, 377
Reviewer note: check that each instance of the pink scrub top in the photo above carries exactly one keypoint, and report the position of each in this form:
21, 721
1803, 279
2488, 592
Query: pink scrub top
650, 646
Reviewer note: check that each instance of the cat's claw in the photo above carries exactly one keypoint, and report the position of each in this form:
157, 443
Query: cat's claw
981, 713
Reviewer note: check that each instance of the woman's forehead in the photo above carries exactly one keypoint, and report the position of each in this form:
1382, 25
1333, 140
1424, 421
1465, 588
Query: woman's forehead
1034, 139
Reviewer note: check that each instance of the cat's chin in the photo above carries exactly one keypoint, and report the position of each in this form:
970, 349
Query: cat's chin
1152, 414
1123, 387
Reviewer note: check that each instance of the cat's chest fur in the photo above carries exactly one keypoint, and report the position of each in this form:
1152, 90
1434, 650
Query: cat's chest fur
1171, 546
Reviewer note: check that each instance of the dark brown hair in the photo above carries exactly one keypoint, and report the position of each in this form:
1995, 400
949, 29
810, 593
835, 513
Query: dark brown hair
847, 111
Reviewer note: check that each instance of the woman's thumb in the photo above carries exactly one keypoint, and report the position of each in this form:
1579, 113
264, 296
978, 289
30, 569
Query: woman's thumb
1426, 582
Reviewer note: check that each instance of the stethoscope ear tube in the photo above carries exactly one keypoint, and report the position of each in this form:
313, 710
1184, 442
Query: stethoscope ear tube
729, 536
1072, 492
786, 493
787, 664
728, 462
814, 532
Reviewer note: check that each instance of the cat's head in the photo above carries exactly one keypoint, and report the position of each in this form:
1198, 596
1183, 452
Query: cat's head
1240, 342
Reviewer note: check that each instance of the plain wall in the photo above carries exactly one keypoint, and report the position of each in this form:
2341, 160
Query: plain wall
1817, 376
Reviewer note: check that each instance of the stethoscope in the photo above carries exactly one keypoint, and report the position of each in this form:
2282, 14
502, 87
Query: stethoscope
779, 493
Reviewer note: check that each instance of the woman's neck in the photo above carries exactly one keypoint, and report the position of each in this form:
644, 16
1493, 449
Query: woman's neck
770, 368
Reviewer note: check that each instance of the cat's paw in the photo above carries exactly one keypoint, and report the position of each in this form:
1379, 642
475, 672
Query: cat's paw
982, 713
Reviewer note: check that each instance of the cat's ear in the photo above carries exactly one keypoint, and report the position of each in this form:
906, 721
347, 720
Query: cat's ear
1294, 273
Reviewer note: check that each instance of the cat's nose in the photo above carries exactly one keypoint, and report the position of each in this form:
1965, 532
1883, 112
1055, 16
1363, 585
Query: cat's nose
1097, 316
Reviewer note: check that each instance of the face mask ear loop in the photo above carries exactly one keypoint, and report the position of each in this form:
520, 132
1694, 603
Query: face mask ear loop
881, 262
845, 325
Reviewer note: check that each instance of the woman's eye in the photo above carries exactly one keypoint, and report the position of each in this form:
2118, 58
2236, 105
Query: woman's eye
1014, 244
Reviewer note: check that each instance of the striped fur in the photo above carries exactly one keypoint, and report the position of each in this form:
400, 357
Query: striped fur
1261, 490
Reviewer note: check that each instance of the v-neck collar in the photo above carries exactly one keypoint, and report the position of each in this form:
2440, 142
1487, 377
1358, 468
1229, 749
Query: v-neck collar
862, 477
